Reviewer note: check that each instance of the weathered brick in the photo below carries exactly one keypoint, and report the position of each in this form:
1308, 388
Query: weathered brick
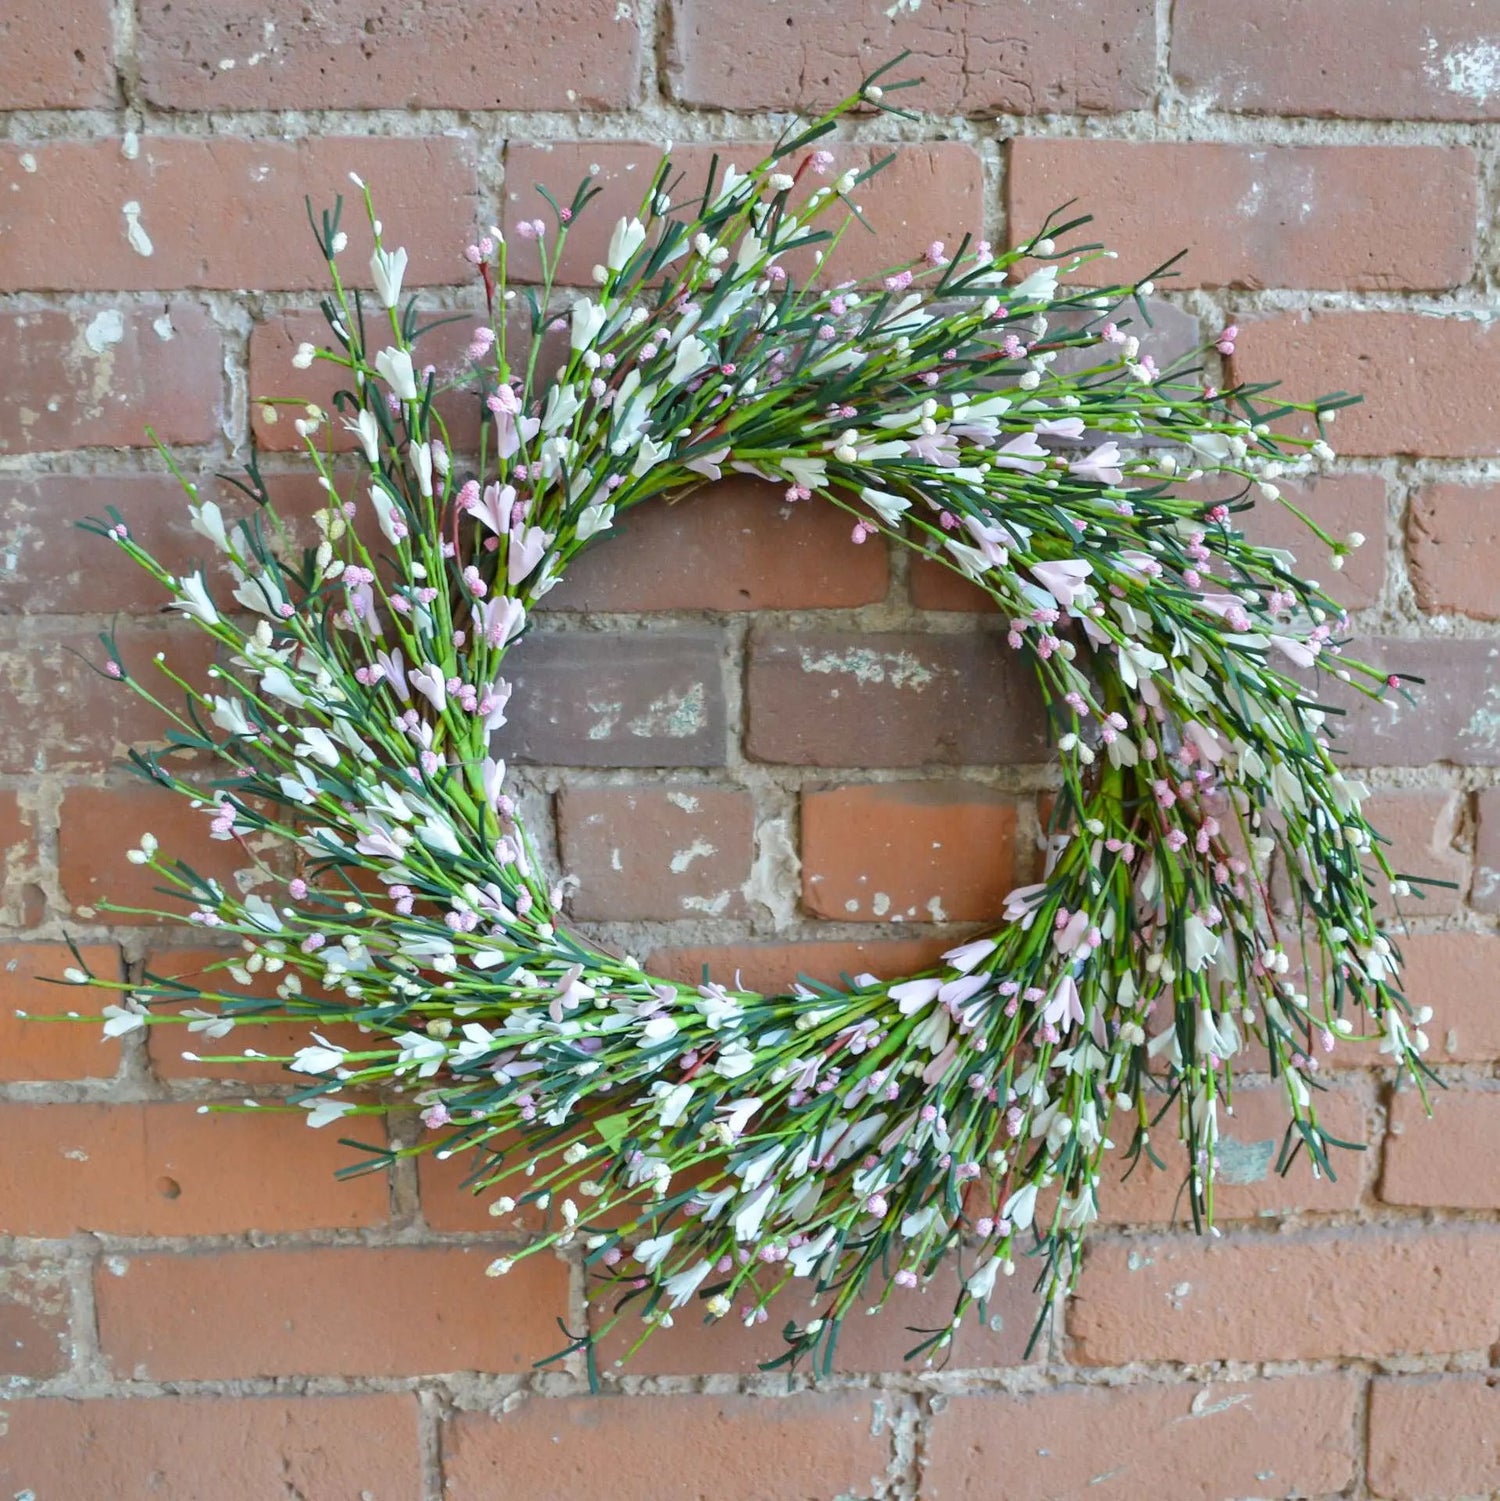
736, 545
629, 698
166, 1169
769, 967
274, 379
1454, 973
1196, 1442
1303, 1296
190, 211
185, 1448
825, 698
1450, 1160
71, 714
1421, 826
651, 852
1455, 717
867, 1342
1453, 549
308, 1313
932, 191
34, 1329
1485, 893
31, 1049
1400, 363
923, 851
21, 898
1263, 216
1085, 56
95, 377
741, 1448
56, 57
1340, 504
1248, 1185
100, 823
225, 54
52, 566
1292, 57
1432, 1437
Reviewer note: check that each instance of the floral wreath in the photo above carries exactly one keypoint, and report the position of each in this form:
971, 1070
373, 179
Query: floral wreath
701, 1143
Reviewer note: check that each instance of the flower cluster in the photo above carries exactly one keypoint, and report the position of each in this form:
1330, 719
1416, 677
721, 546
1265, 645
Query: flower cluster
704, 1144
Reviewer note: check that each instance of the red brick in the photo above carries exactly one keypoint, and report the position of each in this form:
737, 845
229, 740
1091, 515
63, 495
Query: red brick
934, 586
1248, 1185
31, 1049
728, 1447
1402, 365
308, 1313
737, 545
1293, 57
626, 699
1085, 56
826, 698
34, 1331
1366, 1291
21, 897
769, 967
1450, 1160
1422, 827
1453, 549
1485, 895
52, 566
1432, 1437
922, 851
450, 1203
1190, 1441
99, 824
651, 852
1455, 717
227, 213
56, 57
71, 714
95, 377
167, 1042
461, 54
1454, 973
187, 1448
932, 191
867, 1342
166, 1169
273, 378
1340, 504
1263, 216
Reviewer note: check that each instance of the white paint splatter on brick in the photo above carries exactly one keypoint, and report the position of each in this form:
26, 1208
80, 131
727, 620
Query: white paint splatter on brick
105, 328
699, 849
1471, 72
684, 800
865, 665
135, 231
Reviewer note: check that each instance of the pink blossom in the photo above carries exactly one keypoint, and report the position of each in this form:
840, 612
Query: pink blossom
1101, 465
1062, 579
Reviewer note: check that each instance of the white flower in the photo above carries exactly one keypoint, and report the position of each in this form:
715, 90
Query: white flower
208, 521
628, 237
1020, 1207
118, 1020
195, 600
981, 1281
593, 519
885, 505
315, 743
588, 321
367, 429
229, 714
653, 1251
421, 463
324, 1110
396, 371
682, 1285
672, 1102
426, 1052
387, 268
323, 1058
1200, 941
692, 356
1040, 286
305, 355
262, 913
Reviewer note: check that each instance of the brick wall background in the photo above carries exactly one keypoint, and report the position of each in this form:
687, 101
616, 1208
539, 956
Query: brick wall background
190, 1308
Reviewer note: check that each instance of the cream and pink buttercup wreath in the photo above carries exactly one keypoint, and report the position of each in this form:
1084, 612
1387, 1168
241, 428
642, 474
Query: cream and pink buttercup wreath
708, 1149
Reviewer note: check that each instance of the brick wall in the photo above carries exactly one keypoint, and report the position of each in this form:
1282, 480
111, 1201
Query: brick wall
190, 1307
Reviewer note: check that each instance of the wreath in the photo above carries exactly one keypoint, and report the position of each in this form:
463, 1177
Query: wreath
703, 1144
